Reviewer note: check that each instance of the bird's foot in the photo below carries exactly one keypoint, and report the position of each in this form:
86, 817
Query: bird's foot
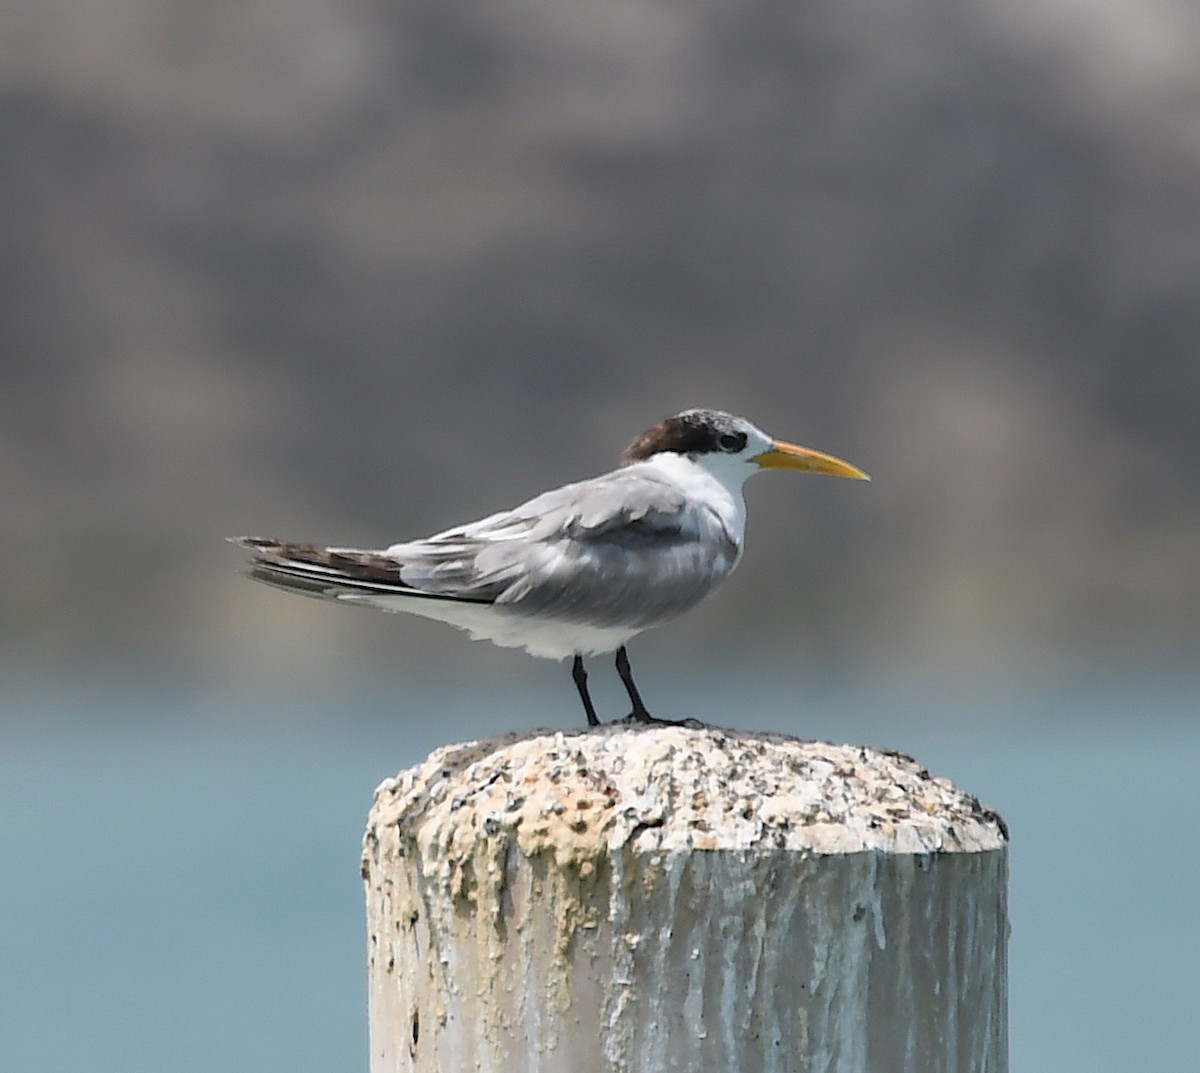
644, 718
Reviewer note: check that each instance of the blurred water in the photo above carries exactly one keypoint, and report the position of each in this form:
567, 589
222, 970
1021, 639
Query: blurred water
179, 883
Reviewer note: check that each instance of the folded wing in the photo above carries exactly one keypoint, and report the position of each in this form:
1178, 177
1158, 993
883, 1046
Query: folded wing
620, 550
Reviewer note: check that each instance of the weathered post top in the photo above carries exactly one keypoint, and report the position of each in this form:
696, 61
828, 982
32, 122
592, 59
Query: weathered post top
667, 898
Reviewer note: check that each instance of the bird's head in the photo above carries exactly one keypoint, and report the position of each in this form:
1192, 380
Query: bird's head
731, 446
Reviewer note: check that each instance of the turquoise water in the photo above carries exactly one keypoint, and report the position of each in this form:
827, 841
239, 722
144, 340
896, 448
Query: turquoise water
179, 886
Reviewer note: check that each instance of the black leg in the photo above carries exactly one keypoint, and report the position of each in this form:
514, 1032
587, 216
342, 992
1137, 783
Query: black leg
580, 677
639, 713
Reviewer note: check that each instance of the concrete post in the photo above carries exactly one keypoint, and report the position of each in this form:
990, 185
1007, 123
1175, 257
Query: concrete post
656, 899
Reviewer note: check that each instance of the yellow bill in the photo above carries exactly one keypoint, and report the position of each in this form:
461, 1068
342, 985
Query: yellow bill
789, 456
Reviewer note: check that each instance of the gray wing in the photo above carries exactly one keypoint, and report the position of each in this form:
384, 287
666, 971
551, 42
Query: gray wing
622, 549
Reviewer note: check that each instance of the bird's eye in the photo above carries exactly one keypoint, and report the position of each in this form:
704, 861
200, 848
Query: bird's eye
732, 441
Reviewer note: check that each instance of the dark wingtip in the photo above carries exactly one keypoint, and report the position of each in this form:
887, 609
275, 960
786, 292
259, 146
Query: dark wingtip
253, 543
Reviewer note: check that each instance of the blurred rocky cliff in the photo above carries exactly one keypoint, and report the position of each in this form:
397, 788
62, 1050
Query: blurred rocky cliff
354, 271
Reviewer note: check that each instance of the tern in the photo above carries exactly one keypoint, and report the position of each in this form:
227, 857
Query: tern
579, 570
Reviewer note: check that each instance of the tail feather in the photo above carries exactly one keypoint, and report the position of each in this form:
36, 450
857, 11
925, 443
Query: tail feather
329, 573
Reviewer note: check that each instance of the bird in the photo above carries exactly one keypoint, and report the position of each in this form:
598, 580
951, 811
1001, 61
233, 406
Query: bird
579, 570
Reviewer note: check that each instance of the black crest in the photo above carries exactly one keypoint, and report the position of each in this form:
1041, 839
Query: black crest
693, 432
